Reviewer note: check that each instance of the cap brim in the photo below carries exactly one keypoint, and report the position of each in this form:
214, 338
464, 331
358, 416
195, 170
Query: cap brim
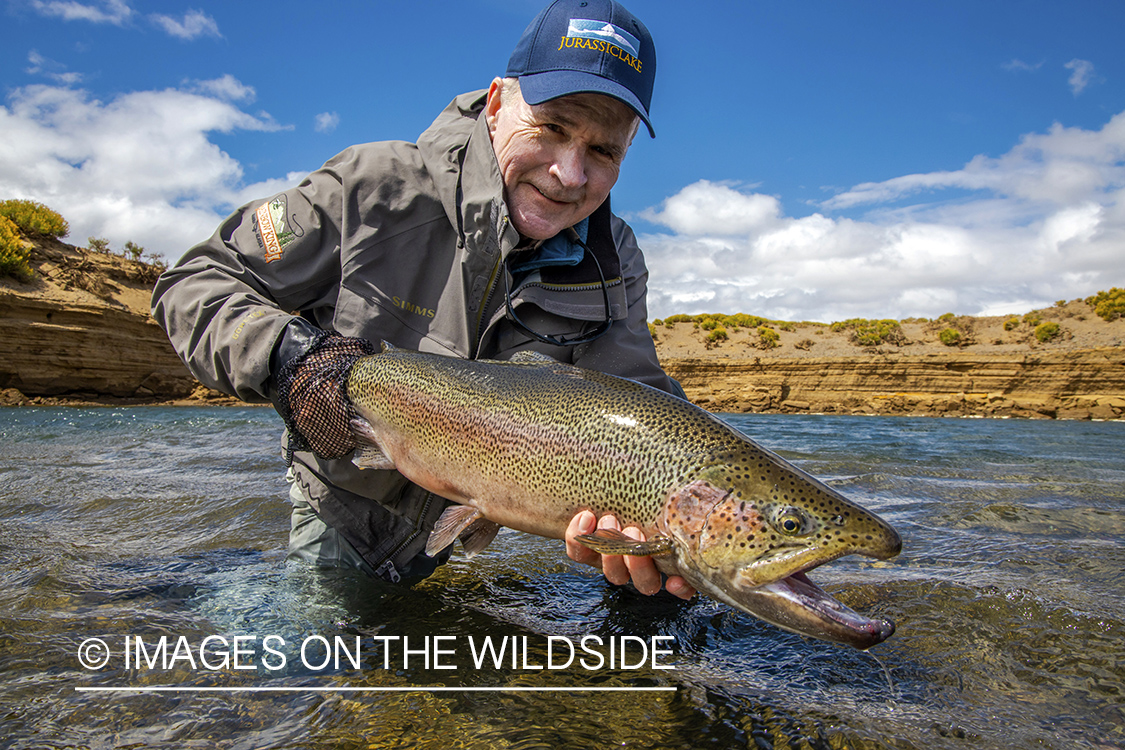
552, 84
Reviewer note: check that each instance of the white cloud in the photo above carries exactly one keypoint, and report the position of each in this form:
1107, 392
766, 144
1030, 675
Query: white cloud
139, 167
1045, 221
116, 12
714, 209
56, 71
1081, 72
1058, 167
195, 24
225, 87
326, 122
1019, 66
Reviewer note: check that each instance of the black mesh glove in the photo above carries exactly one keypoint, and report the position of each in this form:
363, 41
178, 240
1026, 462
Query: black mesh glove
312, 395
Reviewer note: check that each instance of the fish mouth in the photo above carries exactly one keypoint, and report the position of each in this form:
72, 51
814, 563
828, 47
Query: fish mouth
798, 605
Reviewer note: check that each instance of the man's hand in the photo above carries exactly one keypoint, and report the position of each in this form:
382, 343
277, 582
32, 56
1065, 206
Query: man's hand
312, 395
620, 569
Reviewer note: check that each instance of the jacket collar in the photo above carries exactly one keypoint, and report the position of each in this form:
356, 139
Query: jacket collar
457, 151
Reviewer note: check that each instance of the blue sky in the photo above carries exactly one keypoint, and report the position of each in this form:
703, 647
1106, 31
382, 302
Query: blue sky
814, 160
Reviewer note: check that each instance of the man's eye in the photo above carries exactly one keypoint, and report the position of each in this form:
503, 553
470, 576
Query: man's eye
605, 153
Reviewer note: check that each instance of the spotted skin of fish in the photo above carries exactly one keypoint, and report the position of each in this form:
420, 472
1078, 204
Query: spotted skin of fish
529, 443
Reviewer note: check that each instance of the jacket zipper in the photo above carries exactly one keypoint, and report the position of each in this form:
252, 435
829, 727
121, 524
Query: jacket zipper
387, 566
485, 305
569, 287
491, 289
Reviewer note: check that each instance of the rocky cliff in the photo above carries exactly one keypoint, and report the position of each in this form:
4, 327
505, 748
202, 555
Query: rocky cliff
1063, 362
1069, 384
81, 331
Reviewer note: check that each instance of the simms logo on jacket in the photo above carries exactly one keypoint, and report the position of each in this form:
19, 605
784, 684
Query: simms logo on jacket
604, 37
274, 229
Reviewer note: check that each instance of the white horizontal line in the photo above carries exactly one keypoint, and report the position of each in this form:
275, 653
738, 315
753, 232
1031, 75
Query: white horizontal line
413, 689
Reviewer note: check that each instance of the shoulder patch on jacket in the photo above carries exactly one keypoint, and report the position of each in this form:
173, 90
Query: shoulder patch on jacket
274, 227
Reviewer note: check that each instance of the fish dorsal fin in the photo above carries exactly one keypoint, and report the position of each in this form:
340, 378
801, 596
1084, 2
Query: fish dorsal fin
387, 346
368, 454
532, 357
462, 522
614, 542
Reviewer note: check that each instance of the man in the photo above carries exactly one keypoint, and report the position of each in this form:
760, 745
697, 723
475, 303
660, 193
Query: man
493, 234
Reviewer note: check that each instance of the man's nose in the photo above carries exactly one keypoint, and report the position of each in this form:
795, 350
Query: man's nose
569, 166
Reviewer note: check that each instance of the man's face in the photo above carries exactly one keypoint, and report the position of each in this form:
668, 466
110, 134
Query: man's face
558, 159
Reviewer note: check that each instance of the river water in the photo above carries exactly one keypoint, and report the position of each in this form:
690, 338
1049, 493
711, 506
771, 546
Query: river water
128, 531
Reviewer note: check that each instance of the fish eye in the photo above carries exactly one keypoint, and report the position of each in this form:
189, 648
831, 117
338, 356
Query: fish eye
790, 521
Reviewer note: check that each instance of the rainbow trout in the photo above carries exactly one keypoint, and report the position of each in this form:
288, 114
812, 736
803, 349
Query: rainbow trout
529, 443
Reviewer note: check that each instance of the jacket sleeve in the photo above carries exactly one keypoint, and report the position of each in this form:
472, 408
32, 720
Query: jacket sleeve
627, 350
230, 301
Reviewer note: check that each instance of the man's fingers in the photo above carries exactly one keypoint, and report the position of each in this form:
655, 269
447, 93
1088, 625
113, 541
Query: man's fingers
620, 569
583, 523
677, 586
642, 569
613, 566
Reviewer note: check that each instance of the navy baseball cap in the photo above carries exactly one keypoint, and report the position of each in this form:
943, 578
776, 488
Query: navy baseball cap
594, 46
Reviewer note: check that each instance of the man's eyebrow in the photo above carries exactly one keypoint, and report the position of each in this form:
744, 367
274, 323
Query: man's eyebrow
553, 112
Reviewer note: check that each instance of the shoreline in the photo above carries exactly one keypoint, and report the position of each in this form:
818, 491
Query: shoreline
964, 385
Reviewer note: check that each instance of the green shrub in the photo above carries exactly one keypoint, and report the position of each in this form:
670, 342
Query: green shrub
947, 317
718, 333
1032, 318
1011, 323
97, 245
34, 219
768, 338
872, 332
1108, 305
132, 251
672, 320
1047, 332
152, 265
742, 320
950, 337
13, 254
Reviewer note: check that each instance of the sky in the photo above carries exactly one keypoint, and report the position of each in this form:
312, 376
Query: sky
814, 160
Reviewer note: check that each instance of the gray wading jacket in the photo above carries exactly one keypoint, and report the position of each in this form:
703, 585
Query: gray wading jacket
399, 242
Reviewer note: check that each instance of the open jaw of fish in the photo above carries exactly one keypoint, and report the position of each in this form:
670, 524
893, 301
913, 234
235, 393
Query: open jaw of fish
703, 534
528, 444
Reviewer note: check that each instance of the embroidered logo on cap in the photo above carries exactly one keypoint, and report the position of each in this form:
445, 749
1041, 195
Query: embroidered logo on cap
604, 37
587, 29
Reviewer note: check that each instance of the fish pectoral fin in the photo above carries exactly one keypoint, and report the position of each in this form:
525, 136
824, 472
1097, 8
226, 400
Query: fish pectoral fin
368, 454
462, 521
478, 535
613, 542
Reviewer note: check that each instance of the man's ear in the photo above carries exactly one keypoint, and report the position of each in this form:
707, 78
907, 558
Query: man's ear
492, 104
